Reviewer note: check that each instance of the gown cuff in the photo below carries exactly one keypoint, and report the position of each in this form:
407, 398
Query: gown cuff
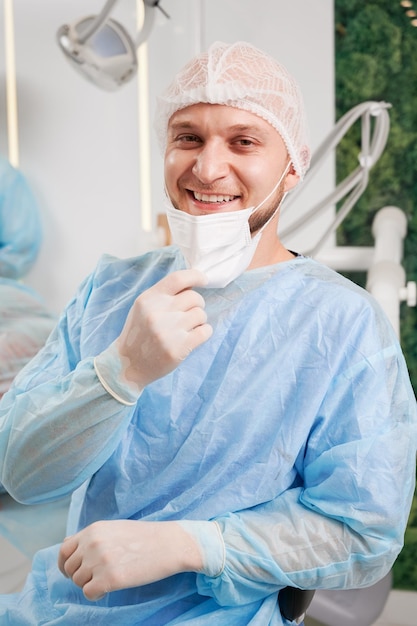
209, 538
109, 369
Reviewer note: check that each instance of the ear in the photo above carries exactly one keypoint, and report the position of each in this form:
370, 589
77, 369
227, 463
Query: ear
291, 179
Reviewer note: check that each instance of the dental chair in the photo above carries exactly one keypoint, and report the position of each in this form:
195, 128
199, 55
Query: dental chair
293, 603
349, 607
345, 607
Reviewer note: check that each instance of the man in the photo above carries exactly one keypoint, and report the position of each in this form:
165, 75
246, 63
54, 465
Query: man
232, 417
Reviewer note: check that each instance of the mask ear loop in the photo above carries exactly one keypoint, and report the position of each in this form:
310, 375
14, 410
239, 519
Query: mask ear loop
259, 232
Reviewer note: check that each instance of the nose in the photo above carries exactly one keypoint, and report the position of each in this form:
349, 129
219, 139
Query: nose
210, 163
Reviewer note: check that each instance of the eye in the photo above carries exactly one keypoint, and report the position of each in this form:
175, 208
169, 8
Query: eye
245, 142
187, 139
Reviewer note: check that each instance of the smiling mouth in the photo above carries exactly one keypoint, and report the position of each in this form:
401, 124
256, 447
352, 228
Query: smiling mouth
213, 198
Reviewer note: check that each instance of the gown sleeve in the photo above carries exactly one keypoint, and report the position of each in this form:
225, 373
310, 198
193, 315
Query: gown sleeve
58, 416
343, 525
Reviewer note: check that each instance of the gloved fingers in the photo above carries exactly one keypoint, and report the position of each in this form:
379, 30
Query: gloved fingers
197, 336
193, 318
186, 300
180, 280
69, 558
159, 299
77, 566
82, 576
94, 590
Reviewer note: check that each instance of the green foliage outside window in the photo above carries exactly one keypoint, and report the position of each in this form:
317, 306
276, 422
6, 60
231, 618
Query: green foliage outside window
376, 59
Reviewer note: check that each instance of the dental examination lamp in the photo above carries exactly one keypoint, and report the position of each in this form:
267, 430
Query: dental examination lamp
101, 49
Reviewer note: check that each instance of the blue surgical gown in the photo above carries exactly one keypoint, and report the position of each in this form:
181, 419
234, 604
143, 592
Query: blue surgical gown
20, 223
25, 324
293, 426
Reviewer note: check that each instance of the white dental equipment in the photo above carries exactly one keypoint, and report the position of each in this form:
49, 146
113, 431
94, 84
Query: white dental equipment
101, 49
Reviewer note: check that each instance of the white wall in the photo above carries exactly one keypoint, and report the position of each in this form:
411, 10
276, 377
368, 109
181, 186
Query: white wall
79, 145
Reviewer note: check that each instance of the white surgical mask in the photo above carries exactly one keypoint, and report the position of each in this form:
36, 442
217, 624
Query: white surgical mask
219, 244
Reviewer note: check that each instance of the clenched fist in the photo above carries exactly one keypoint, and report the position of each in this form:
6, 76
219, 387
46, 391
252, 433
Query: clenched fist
118, 554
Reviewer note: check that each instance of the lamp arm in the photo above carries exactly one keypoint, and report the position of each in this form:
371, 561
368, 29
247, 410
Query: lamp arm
148, 20
155, 4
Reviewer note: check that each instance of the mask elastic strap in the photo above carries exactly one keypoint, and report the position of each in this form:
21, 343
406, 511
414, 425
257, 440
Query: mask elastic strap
267, 198
274, 189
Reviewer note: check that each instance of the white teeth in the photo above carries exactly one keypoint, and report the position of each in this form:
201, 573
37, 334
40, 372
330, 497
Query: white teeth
205, 197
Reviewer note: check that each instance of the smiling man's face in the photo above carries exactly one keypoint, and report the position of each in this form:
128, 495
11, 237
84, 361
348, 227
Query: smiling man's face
220, 158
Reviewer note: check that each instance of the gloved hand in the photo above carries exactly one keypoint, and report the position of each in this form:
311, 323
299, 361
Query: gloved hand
117, 554
164, 325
